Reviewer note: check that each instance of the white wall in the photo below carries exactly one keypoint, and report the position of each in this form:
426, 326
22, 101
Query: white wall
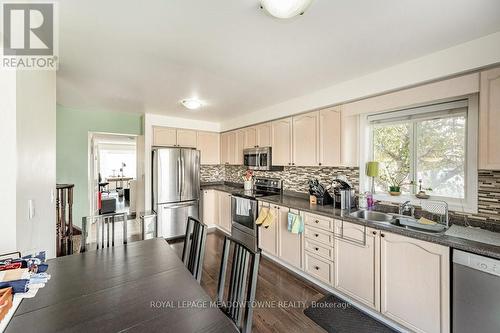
452, 61
8, 167
36, 160
151, 120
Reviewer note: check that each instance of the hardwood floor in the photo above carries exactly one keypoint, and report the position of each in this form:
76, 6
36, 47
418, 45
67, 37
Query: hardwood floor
275, 284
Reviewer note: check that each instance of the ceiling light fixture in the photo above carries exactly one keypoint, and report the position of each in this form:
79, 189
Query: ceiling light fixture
192, 103
285, 9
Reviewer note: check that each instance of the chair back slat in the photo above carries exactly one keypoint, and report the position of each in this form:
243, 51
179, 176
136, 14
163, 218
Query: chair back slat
238, 303
104, 229
194, 247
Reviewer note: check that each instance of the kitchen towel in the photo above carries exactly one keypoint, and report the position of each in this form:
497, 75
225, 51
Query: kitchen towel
295, 223
242, 207
262, 215
268, 220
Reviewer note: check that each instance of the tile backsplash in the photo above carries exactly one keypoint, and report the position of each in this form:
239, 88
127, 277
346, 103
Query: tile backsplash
295, 179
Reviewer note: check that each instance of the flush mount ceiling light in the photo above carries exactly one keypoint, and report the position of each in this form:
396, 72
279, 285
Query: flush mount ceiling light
285, 9
192, 103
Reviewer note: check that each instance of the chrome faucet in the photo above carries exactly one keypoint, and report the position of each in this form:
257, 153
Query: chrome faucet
406, 206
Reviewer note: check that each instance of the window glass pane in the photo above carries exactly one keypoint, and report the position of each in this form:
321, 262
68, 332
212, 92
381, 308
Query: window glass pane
391, 148
441, 156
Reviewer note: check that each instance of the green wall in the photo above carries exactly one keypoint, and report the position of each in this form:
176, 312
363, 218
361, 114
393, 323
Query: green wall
73, 127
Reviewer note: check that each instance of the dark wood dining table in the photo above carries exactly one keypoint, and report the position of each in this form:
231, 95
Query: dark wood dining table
138, 287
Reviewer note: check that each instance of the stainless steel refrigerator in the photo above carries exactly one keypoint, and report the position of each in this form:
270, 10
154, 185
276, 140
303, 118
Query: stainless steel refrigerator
176, 189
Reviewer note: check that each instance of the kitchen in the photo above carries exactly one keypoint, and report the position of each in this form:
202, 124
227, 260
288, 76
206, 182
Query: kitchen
314, 171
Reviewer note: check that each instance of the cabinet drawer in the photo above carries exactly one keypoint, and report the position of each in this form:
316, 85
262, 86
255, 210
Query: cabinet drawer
319, 222
319, 249
319, 268
351, 232
319, 235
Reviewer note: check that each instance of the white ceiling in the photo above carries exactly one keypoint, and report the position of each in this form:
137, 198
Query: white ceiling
145, 56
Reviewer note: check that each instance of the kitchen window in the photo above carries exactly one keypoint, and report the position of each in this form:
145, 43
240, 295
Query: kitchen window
433, 144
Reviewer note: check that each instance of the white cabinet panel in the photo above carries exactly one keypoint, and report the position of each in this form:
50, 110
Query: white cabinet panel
489, 120
268, 237
264, 135
415, 282
357, 263
289, 244
305, 139
250, 137
186, 138
281, 141
209, 146
164, 136
329, 137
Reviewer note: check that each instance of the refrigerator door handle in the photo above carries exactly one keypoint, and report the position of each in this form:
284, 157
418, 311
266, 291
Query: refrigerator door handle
182, 174
179, 205
179, 181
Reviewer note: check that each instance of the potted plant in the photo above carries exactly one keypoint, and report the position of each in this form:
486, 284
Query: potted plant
395, 180
248, 180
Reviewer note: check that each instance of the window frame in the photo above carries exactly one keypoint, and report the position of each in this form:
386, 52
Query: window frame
470, 202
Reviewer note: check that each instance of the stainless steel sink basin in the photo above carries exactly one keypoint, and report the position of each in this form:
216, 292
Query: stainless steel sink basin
400, 221
372, 216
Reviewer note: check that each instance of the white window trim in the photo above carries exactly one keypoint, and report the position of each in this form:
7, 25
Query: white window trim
467, 205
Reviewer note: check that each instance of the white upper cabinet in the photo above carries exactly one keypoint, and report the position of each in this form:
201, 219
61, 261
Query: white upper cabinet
250, 137
232, 147
349, 140
489, 120
209, 146
329, 137
186, 138
264, 135
224, 148
281, 141
164, 136
240, 145
305, 139
289, 244
415, 283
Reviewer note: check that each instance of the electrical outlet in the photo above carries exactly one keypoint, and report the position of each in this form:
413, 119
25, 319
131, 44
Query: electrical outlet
31, 209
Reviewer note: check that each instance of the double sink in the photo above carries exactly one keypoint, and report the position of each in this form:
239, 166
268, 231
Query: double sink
400, 221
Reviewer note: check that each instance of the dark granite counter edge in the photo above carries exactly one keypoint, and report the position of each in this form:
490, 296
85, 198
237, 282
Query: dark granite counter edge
300, 202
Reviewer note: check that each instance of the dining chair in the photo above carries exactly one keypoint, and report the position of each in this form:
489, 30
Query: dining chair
104, 237
238, 305
194, 246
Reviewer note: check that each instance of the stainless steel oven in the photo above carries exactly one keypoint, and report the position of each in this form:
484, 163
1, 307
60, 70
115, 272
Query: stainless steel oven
243, 216
258, 158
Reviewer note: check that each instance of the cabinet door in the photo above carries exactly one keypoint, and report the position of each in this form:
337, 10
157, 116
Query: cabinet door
210, 208
415, 281
250, 137
225, 211
240, 145
349, 140
264, 135
209, 146
231, 151
268, 237
305, 139
224, 148
489, 120
281, 141
357, 264
289, 245
186, 138
164, 136
329, 137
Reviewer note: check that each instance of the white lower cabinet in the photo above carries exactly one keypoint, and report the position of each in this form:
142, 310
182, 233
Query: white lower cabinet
319, 268
277, 240
357, 263
268, 237
289, 244
415, 283
224, 202
210, 208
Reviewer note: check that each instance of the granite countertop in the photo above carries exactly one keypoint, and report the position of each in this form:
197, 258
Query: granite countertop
302, 204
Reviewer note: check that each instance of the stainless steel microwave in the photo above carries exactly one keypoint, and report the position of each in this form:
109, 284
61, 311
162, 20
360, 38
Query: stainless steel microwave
258, 158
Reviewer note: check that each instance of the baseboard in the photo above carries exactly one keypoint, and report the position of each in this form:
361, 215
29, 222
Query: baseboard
326, 289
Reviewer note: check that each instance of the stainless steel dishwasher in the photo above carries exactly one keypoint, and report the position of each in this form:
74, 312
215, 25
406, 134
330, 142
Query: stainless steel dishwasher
476, 293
